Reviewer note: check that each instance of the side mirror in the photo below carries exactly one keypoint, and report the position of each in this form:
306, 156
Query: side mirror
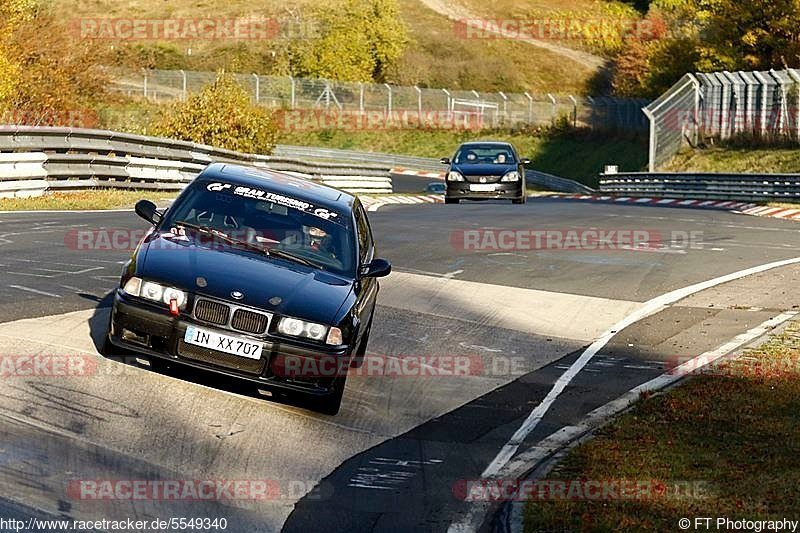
526, 161
377, 268
445, 161
148, 211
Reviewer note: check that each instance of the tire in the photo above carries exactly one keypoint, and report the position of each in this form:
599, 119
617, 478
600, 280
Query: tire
451, 200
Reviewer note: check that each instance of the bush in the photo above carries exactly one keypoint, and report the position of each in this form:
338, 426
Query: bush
223, 116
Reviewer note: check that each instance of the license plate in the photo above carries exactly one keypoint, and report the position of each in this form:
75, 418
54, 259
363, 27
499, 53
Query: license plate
482, 187
223, 343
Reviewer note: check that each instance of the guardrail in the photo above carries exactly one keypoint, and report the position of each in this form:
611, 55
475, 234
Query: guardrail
704, 185
36, 159
555, 183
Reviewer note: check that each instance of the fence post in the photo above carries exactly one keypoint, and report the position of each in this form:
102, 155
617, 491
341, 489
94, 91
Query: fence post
449, 110
360, 98
505, 107
553, 100
574, 111
796, 113
530, 108
419, 101
764, 85
258, 88
183, 77
144, 84
389, 88
651, 153
291, 95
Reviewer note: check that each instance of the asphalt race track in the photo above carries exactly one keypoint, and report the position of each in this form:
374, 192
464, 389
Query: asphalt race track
403, 444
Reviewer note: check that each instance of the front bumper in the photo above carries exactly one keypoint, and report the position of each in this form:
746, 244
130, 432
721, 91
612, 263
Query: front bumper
150, 330
503, 191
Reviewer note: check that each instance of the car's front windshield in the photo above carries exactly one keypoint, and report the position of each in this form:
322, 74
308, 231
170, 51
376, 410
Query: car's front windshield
261, 220
485, 154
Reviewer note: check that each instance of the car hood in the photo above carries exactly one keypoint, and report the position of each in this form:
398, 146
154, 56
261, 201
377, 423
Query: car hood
294, 289
483, 170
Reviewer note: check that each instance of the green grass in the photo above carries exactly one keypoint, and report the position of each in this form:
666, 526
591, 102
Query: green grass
732, 434
576, 156
724, 159
96, 199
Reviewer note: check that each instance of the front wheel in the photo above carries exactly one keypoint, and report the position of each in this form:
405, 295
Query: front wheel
451, 200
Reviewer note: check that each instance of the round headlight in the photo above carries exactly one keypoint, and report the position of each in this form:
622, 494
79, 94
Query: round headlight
315, 331
152, 291
291, 326
174, 294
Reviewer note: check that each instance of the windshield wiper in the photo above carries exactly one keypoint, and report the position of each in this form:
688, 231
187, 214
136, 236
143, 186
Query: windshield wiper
292, 257
222, 236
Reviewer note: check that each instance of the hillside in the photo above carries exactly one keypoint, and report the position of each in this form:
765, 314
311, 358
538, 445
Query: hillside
436, 56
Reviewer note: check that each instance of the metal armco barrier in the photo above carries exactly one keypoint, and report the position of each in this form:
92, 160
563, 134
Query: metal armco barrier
704, 186
555, 183
36, 159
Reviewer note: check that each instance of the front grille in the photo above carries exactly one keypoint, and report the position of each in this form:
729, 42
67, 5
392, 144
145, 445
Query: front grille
213, 357
249, 321
487, 179
212, 312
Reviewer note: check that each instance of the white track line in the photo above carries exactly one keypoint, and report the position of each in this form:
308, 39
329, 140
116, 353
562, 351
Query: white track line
519, 467
650, 307
35, 291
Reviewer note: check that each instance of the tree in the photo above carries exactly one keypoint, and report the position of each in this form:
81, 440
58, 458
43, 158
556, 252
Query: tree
221, 115
358, 40
46, 75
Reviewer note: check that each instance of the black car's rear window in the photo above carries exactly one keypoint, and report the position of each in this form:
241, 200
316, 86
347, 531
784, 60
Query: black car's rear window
269, 220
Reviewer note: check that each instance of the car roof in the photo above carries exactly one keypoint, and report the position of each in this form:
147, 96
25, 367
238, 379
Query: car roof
278, 182
484, 143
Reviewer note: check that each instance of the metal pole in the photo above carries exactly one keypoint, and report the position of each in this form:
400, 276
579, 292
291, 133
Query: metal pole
419, 100
449, 110
530, 108
183, 76
574, 111
505, 106
389, 88
144, 84
360, 97
553, 100
292, 102
258, 88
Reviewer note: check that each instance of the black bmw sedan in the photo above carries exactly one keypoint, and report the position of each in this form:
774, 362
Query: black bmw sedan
257, 275
485, 170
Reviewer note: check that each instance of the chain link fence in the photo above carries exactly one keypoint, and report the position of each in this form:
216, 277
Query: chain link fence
757, 106
424, 106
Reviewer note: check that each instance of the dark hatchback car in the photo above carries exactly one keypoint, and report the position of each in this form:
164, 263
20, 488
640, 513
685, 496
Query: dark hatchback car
257, 275
485, 170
